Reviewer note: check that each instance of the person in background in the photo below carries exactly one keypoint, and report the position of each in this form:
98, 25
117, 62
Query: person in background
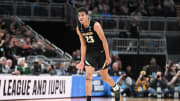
114, 71
37, 67
142, 84
125, 84
50, 51
9, 66
170, 71
3, 64
152, 68
158, 82
72, 68
22, 68
60, 69
129, 71
2, 40
51, 69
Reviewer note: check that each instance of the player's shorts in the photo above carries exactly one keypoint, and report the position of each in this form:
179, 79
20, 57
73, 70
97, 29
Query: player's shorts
96, 59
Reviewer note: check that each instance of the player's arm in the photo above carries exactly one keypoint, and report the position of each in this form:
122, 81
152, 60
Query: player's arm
99, 30
83, 46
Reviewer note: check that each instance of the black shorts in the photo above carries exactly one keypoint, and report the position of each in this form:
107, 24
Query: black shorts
96, 59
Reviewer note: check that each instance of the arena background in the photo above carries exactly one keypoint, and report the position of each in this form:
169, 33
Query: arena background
61, 32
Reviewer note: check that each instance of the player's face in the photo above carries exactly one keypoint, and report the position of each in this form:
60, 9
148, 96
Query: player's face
83, 17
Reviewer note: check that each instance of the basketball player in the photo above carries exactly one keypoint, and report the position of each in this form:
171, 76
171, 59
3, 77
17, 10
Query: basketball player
94, 52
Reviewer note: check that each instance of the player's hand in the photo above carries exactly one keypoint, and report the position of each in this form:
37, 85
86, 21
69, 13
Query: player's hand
108, 60
80, 67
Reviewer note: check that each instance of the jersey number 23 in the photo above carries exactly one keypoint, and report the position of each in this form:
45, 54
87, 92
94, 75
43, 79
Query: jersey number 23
89, 39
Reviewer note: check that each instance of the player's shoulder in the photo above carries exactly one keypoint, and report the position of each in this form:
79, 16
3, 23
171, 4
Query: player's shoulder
97, 25
95, 22
78, 25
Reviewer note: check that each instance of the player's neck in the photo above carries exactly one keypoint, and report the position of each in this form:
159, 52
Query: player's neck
86, 25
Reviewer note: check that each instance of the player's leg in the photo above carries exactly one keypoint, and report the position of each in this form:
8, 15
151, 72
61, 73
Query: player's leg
105, 77
89, 74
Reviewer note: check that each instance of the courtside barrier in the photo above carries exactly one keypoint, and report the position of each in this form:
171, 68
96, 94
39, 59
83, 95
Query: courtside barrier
46, 86
100, 88
33, 87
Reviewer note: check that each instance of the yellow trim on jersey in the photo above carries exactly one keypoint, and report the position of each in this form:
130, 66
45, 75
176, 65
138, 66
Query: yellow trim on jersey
88, 33
104, 65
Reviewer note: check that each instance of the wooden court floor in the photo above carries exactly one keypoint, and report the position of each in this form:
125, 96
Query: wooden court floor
102, 99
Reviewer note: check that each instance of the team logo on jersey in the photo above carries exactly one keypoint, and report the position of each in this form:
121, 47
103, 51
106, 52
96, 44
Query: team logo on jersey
88, 33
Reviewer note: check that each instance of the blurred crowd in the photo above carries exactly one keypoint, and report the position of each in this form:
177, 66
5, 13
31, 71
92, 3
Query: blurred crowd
106, 8
44, 1
152, 81
16, 44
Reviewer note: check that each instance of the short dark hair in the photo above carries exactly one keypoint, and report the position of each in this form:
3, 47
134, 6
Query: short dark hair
82, 9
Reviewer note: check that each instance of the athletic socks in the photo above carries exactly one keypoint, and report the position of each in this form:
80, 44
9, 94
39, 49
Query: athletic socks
88, 98
115, 88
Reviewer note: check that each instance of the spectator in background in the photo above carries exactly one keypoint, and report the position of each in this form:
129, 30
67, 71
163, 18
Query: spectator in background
11, 51
12, 21
12, 30
38, 47
19, 46
44, 66
114, 71
50, 51
114, 7
158, 81
125, 84
27, 46
76, 55
129, 71
142, 84
4, 25
169, 8
169, 63
2, 40
22, 68
18, 32
152, 68
105, 13
35, 43
115, 58
87, 6
158, 9
7, 40
78, 3
23, 29
29, 34
95, 12
120, 65
1, 19
37, 67
60, 69
176, 80
9, 66
134, 28
51, 70
72, 68
170, 71
3, 64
